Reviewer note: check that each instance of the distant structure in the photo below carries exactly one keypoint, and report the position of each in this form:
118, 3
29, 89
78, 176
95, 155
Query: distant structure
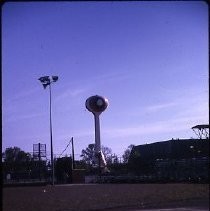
202, 131
39, 151
182, 160
174, 160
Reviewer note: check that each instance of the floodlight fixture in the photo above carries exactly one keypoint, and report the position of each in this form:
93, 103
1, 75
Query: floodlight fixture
44, 79
54, 78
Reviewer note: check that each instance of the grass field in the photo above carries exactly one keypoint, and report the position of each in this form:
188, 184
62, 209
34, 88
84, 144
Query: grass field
105, 197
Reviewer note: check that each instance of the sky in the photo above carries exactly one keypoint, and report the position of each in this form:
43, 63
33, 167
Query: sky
149, 59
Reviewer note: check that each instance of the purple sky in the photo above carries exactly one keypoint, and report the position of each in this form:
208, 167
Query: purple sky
150, 59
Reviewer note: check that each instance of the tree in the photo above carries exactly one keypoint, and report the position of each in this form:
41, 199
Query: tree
88, 154
15, 154
16, 161
127, 153
107, 154
21, 165
115, 159
63, 169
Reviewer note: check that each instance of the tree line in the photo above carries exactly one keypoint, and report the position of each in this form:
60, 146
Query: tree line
18, 164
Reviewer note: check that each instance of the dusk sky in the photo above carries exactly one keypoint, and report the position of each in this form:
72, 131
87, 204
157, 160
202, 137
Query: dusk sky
149, 59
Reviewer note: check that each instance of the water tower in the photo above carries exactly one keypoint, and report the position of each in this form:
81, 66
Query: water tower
96, 105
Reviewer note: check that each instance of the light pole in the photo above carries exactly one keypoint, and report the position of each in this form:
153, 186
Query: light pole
47, 80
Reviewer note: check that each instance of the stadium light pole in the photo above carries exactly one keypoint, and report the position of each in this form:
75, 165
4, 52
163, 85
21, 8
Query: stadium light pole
47, 80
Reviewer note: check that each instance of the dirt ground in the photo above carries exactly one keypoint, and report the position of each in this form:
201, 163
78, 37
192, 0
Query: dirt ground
105, 197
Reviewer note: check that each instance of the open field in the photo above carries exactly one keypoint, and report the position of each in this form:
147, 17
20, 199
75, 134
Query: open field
105, 197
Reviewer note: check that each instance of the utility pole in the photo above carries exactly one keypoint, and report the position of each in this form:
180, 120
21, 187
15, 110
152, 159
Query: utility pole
73, 161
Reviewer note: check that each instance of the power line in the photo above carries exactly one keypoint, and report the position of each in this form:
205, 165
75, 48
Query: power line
65, 148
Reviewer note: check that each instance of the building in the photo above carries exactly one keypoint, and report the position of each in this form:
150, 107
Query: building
172, 160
